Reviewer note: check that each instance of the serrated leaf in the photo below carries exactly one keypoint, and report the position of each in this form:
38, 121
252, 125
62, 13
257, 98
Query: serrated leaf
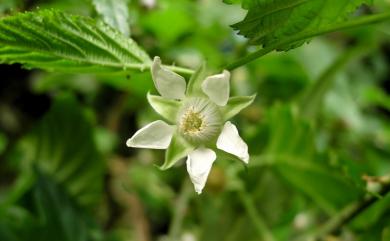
56, 41
270, 21
115, 13
167, 108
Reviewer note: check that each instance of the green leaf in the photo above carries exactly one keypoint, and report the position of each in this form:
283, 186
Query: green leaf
235, 105
292, 151
48, 213
194, 84
167, 108
270, 21
56, 41
62, 144
115, 13
178, 149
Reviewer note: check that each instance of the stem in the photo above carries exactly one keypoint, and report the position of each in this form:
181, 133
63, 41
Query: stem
180, 210
348, 214
264, 233
180, 70
309, 34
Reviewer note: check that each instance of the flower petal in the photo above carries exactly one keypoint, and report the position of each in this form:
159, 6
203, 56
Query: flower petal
217, 87
169, 84
199, 164
230, 141
156, 135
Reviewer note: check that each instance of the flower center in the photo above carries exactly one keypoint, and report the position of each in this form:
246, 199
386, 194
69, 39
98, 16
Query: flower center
199, 120
191, 122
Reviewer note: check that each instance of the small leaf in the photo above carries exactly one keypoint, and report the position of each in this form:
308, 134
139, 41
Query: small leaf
55, 41
178, 149
194, 85
167, 108
115, 13
235, 105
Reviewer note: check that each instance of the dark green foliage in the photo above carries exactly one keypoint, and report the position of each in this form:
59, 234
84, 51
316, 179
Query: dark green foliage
268, 22
53, 40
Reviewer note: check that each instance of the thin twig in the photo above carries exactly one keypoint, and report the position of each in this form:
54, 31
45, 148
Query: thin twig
257, 220
345, 216
180, 210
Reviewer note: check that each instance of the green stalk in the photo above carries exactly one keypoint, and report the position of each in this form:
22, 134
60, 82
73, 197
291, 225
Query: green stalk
347, 214
258, 222
181, 205
375, 18
180, 70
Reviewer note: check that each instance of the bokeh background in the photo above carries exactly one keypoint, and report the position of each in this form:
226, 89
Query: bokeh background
318, 134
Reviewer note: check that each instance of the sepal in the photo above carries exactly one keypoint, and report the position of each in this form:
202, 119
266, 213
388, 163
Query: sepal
167, 108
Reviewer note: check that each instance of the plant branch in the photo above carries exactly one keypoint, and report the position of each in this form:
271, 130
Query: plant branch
309, 34
180, 210
180, 70
347, 214
264, 233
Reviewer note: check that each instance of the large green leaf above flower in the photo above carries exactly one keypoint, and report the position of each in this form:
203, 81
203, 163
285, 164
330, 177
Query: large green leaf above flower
56, 41
198, 126
270, 21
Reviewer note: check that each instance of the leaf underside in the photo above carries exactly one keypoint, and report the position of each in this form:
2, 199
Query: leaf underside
115, 13
56, 41
269, 21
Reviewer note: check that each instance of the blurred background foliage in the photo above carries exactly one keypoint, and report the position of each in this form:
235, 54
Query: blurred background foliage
318, 134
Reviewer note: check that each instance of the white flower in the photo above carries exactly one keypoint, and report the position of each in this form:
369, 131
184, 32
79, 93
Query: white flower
197, 114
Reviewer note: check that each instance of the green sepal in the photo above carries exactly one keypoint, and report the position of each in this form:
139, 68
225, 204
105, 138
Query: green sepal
223, 155
167, 108
194, 84
178, 149
235, 105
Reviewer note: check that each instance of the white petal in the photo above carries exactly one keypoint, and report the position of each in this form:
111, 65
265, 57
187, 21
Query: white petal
169, 84
156, 135
199, 164
230, 141
217, 87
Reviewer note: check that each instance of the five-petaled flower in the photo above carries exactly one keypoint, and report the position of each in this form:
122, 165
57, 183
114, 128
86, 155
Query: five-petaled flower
197, 126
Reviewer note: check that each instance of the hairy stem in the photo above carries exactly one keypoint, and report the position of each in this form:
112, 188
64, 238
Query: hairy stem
309, 34
180, 70
258, 222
